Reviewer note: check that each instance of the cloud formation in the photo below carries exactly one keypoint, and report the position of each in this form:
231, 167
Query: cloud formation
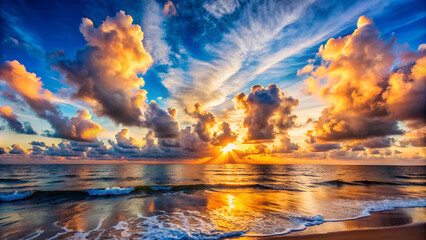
29, 87
106, 72
160, 121
13, 122
366, 98
169, 9
267, 112
205, 121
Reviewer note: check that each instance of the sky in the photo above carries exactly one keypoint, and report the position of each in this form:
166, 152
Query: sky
216, 81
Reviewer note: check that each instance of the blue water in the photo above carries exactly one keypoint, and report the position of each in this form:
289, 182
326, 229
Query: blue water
137, 201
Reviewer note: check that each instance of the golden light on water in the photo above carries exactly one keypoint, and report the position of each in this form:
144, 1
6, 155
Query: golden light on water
229, 148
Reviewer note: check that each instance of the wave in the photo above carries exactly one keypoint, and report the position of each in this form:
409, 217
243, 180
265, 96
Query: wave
14, 196
13, 180
150, 189
110, 191
340, 183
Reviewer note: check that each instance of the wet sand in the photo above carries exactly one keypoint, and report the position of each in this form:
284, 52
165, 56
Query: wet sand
415, 231
400, 223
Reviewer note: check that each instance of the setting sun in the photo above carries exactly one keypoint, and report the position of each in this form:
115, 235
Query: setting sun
229, 148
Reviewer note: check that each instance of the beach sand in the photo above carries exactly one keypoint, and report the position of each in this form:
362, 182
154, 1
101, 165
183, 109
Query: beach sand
400, 223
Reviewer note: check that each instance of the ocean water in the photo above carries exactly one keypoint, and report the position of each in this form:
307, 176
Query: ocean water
137, 201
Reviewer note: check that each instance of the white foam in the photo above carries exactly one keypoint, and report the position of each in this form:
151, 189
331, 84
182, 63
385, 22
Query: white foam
13, 196
123, 226
34, 235
78, 234
110, 191
383, 205
191, 226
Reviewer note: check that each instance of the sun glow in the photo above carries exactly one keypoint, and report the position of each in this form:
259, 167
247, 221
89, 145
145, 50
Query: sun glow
228, 148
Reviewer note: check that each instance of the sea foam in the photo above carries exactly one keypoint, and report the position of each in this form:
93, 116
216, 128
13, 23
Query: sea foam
13, 196
110, 191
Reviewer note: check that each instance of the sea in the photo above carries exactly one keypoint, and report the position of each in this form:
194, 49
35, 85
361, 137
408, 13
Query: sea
171, 201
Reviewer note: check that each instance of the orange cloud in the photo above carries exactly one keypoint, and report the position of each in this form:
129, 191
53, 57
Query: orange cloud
365, 97
29, 86
105, 73
169, 9
84, 127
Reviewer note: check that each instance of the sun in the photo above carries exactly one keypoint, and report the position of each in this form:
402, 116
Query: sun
228, 148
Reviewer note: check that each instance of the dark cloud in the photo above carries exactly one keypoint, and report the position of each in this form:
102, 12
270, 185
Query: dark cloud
226, 135
205, 121
10, 96
2, 151
16, 149
13, 122
37, 143
161, 122
378, 142
324, 147
268, 112
334, 127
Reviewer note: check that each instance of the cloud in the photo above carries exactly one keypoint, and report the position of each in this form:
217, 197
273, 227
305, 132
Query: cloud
169, 9
205, 121
154, 35
16, 149
406, 94
286, 146
267, 112
160, 121
226, 136
219, 8
7, 114
29, 87
105, 73
2, 151
37, 143
125, 142
378, 142
415, 138
79, 128
324, 147
365, 97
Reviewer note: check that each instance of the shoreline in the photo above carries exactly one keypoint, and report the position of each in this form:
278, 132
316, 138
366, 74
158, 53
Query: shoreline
397, 224
413, 231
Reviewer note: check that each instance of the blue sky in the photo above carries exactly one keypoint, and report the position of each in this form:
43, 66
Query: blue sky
205, 52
